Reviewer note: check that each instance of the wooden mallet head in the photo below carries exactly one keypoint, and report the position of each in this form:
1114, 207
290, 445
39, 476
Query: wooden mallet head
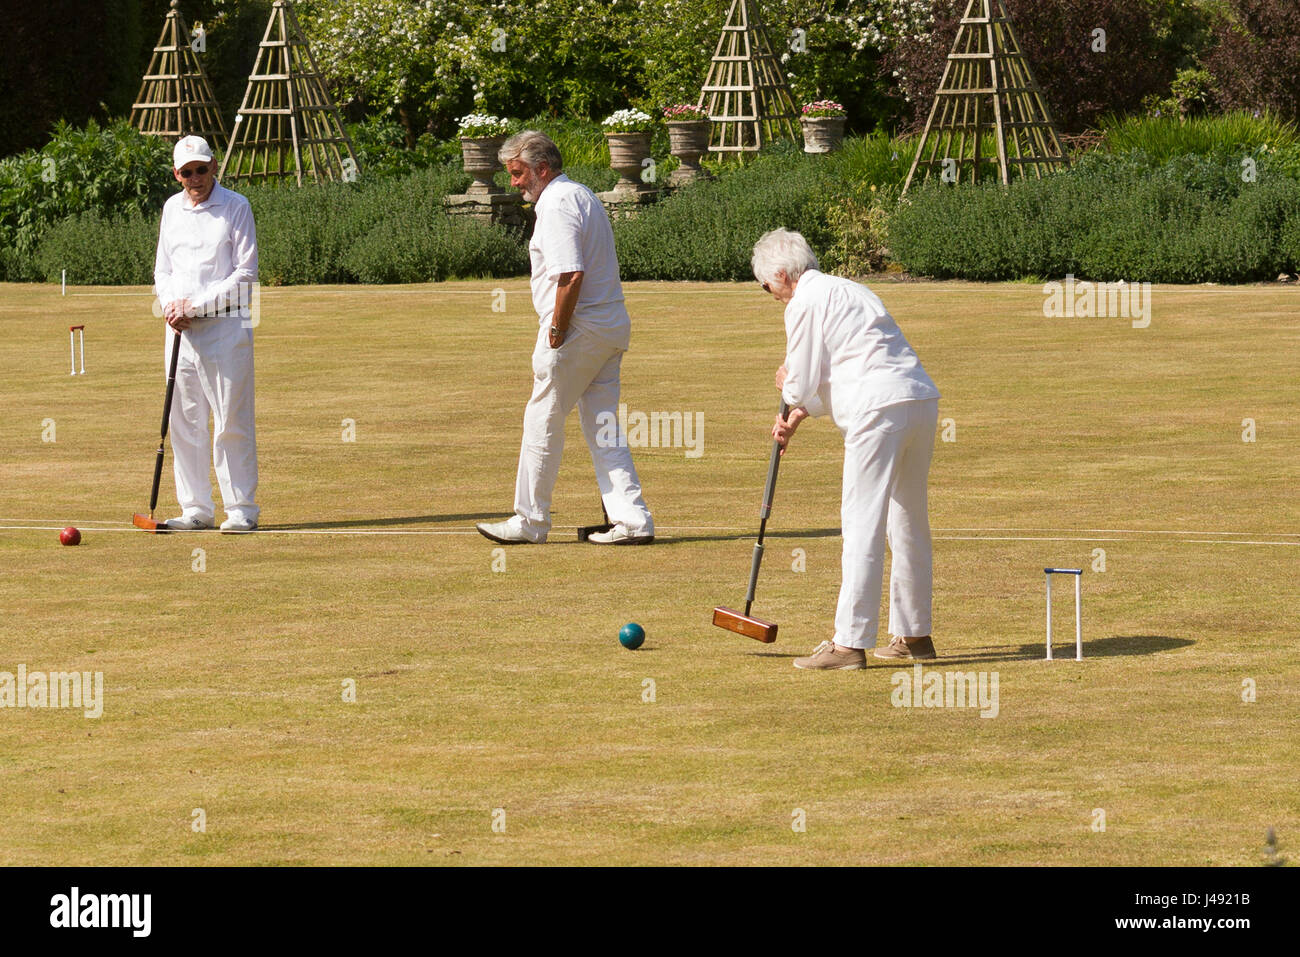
742, 624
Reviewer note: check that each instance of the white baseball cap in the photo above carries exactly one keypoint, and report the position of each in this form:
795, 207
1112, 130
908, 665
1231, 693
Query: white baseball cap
190, 148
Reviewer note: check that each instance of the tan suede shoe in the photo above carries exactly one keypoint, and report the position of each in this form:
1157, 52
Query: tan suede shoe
908, 649
829, 656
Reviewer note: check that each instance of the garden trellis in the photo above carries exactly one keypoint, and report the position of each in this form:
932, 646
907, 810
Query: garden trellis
288, 125
746, 94
987, 87
175, 97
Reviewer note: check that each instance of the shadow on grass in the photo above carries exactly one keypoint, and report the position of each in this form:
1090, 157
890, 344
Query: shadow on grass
1112, 647
742, 536
378, 522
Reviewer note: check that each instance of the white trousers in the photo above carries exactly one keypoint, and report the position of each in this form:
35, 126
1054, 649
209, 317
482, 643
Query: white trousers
886, 465
583, 372
214, 377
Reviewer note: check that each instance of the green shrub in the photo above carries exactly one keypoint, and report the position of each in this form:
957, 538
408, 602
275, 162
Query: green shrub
108, 170
1164, 137
306, 234
707, 232
876, 160
434, 248
1106, 222
860, 234
382, 152
16, 266
99, 251
1288, 244
392, 230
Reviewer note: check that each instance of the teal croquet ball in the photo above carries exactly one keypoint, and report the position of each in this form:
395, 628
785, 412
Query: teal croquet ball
631, 636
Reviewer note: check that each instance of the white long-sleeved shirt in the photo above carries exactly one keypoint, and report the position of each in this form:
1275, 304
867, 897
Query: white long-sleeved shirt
206, 252
845, 355
573, 234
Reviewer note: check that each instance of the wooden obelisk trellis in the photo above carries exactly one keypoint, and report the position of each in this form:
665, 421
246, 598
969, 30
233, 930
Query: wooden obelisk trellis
746, 94
175, 97
987, 87
287, 125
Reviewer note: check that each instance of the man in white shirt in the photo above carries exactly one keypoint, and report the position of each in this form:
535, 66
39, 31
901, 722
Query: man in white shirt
205, 268
847, 358
584, 331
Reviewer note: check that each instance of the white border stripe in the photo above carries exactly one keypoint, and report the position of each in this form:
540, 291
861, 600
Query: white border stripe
716, 528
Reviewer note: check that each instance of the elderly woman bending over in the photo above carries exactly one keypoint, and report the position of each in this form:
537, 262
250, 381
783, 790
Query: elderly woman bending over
847, 358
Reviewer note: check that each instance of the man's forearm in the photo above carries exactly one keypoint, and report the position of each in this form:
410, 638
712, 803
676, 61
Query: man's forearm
566, 299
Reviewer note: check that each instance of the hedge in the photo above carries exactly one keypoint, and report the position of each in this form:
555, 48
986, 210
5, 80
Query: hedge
1190, 220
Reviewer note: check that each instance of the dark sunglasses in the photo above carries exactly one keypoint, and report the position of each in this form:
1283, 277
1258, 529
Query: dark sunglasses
767, 288
197, 171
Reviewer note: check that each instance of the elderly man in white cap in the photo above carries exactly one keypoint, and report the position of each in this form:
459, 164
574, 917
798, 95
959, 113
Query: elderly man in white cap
584, 331
847, 358
203, 274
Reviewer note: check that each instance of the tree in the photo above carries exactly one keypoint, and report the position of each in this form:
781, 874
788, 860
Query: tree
65, 60
1256, 59
1091, 57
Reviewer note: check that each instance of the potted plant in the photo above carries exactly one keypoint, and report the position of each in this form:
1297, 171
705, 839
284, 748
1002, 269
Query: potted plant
823, 126
688, 140
481, 137
628, 134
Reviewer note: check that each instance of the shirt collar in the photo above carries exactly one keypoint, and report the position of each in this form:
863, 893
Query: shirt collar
562, 178
215, 198
800, 289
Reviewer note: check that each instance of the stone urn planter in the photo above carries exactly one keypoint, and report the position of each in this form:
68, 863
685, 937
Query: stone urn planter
822, 134
479, 155
627, 151
688, 140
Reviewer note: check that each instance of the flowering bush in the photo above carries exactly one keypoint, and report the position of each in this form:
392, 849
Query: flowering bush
628, 121
685, 113
423, 64
481, 124
823, 108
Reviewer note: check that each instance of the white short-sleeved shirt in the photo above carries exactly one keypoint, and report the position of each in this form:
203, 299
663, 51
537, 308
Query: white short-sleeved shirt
573, 234
205, 251
845, 355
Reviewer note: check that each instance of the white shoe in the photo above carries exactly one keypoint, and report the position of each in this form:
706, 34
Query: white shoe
183, 524
509, 532
239, 525
619, 535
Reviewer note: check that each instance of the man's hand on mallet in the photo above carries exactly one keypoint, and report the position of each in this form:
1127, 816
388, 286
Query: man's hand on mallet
177, 313
782, 429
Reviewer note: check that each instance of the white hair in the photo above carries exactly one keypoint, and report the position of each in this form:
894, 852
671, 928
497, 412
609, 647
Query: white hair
532, 149
782, 251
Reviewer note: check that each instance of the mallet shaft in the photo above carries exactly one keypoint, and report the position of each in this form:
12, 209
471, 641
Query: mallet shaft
769, 492
166, 418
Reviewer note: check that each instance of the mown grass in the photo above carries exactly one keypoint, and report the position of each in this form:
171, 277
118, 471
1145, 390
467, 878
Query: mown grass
480, 690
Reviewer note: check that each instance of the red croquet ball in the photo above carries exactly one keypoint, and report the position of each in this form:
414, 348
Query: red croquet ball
70, 536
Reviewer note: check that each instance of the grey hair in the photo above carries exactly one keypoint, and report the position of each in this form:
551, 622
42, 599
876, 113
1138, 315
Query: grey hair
532, 149
782, 250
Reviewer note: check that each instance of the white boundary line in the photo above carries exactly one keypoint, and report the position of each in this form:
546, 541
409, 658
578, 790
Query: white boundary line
38, 522
715, 528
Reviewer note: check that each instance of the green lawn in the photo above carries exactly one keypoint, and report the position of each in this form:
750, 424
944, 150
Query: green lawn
479, 690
